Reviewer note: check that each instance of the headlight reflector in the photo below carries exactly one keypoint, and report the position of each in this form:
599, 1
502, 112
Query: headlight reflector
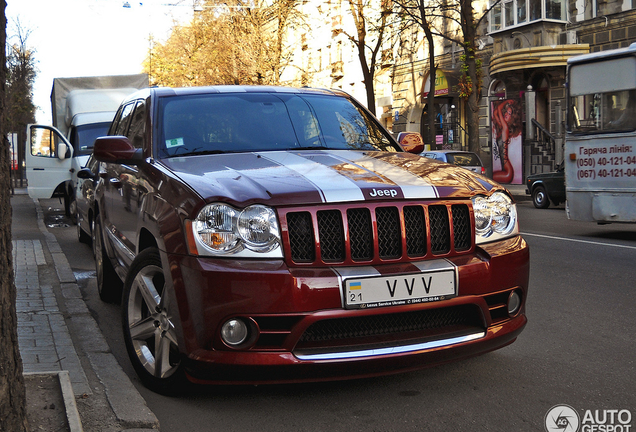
215, 226
495, 217
258, 227
219, 229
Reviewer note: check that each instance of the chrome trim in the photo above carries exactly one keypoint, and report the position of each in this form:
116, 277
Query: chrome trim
392, 350
121, 247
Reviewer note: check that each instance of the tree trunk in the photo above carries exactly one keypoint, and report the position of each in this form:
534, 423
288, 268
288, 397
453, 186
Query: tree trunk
430, 100
472, 103
367, 73
12, 392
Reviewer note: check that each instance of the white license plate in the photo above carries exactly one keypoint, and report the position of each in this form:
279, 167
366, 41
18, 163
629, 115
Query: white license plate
380, 291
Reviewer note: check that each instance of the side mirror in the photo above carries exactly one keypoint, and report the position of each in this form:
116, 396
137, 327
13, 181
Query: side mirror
62, 150
411, 142
117, 149
85, 173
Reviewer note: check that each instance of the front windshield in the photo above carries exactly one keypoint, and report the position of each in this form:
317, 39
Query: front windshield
83, 137
239, 122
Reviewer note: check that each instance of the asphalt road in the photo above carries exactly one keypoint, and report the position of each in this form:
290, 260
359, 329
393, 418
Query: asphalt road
578, 349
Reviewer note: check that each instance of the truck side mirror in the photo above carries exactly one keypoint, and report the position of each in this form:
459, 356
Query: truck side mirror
62, 151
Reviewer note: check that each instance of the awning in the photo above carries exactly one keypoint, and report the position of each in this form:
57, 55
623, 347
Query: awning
535, 57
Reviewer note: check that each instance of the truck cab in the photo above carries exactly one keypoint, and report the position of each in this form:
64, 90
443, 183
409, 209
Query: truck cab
82, 111
51, 174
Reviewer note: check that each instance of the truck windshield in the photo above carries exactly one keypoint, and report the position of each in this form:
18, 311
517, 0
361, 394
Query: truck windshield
238, 122
83, 137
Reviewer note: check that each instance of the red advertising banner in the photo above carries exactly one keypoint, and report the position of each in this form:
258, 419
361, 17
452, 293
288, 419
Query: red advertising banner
507, 160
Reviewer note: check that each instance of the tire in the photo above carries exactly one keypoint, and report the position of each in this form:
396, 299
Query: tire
540, 198
146, 322
109, 286
82, 236
72, 209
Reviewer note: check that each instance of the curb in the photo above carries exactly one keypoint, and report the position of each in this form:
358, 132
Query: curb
128, 405
72, 414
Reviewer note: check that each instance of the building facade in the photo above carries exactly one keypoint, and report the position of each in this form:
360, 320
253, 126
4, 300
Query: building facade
523, 45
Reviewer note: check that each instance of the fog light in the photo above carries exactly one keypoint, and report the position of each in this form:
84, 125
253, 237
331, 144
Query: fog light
234, 332
514, 303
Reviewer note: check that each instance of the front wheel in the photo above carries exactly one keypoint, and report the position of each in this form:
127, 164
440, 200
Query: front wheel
149, 332
540, 198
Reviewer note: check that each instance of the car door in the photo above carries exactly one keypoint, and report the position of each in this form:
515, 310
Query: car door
125, 198
48, 160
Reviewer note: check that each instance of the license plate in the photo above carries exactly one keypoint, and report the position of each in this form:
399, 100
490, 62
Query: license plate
397, 290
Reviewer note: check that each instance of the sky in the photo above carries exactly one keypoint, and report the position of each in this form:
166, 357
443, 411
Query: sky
73, 38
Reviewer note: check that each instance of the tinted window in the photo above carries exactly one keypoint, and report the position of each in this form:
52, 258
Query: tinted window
137, 125
265, 121
124, 119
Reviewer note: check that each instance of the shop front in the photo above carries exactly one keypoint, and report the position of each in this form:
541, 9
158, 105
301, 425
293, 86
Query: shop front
447, 112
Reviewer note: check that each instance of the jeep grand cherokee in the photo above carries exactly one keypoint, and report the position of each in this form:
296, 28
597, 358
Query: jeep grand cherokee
281, 235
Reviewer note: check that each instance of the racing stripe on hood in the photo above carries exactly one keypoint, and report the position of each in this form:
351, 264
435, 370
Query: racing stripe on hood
412, 186
332, 185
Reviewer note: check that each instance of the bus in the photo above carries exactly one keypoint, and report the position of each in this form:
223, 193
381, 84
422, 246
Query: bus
600, 142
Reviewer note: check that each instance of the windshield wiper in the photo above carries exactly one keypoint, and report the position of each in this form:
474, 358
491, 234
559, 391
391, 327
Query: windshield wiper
198, 153
309, 148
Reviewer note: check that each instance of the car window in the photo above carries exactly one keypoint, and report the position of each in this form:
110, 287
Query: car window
265, 121
463, 159
137, 125
124, 120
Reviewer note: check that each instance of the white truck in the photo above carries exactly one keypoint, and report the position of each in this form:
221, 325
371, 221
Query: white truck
82, 110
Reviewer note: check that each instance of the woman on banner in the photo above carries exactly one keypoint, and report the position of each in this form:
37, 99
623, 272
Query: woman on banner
507, 147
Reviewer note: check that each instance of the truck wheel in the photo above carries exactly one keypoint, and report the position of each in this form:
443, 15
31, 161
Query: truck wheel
540, 198
150, 335
109, 286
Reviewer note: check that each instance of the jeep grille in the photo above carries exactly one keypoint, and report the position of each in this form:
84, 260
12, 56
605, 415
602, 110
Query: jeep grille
377, 233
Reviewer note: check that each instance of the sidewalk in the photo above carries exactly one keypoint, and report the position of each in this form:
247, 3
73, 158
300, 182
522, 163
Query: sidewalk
56, 331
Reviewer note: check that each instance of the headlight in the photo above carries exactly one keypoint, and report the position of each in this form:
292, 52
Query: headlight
222, 230
495, 217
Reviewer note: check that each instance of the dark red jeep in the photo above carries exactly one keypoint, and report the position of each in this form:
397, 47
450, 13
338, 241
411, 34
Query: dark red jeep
282, 235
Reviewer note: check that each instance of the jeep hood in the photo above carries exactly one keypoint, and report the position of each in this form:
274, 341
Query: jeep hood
323, 176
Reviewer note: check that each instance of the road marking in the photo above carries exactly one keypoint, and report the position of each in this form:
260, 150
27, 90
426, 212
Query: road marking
579, 241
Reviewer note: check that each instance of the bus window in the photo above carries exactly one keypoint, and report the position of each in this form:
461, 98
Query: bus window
603, 112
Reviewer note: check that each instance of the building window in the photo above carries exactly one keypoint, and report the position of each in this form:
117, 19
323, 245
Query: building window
495, 22
511, 13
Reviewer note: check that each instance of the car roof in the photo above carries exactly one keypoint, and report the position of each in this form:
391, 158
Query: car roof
228, 89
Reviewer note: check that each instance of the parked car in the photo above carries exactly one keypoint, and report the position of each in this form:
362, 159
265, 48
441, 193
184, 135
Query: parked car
85, 200
546, 187
464, 159
281, 235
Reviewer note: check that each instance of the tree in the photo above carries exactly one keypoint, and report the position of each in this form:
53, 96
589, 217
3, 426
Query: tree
455, 21
422, 15
226, 44
12, 391
21, 72
363, 17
